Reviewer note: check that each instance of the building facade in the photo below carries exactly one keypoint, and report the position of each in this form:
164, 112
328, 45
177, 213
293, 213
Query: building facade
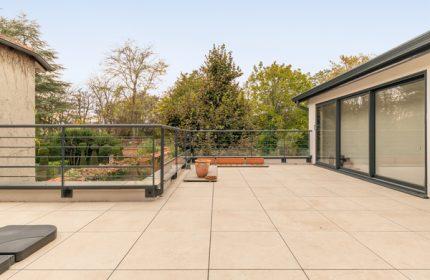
18, 67
371, 122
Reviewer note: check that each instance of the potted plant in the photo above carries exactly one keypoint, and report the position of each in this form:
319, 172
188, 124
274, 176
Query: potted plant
202, 167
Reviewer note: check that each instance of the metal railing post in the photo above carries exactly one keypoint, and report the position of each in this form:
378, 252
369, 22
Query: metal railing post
162, 160
153, 158
284, 160
176, 151
64, 192
252, 143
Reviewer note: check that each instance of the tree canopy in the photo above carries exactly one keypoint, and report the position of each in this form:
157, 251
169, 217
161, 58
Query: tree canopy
271, 89
336, 68
210, 97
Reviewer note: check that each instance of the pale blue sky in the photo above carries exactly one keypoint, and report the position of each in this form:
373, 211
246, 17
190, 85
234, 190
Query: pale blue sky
306, 34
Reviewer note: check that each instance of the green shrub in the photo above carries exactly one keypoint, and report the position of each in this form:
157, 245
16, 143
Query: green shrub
78, 143
83, 155
93, 159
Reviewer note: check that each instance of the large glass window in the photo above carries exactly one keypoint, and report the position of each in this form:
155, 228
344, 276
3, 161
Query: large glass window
399, 132
326, 134
354, 137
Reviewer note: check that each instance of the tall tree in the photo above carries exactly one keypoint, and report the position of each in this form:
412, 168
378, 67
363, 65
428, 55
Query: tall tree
181, 106
271, 89
81, 106
51, 91
104, 96
134, 71
344, 64
208, 98
223, 98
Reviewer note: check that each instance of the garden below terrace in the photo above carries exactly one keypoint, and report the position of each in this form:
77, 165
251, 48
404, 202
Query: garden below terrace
71, 157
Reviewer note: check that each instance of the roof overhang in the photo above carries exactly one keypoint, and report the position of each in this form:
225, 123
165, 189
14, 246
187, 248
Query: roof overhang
38, 58
404, 51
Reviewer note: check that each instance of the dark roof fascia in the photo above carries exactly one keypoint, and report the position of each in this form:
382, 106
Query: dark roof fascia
404, 51
32, 54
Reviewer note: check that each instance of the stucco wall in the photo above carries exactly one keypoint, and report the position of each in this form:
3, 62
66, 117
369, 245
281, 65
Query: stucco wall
17, 102
400, 70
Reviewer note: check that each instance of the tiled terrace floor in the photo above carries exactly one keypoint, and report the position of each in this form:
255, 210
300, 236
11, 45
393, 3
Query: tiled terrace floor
282, 222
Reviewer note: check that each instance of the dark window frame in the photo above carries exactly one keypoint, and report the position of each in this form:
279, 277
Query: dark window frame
371, 176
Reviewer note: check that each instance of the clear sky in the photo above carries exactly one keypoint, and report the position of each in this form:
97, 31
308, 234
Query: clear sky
306, 34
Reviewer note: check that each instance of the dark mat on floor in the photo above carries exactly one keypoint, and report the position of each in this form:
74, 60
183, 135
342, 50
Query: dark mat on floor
23, 240
5, 262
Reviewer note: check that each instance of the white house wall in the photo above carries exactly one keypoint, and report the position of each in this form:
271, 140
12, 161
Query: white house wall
398, 71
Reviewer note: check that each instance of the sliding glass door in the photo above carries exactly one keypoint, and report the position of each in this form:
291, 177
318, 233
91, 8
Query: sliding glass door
326, 134
400, 132
379, 134
354, 136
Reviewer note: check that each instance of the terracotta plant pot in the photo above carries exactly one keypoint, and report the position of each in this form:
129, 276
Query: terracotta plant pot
202, 167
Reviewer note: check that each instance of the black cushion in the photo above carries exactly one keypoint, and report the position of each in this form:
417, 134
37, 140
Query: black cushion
5, 262
23, 240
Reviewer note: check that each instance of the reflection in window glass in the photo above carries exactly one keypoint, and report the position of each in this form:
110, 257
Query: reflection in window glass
326, 134
400, 128
354, 128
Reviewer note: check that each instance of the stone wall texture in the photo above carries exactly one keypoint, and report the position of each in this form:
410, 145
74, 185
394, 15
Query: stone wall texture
17, 102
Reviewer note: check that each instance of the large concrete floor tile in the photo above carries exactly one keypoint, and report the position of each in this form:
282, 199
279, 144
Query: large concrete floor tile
250, 250
85, 250
194, 191
121, 221
68, 221
160, 274
8, 274
403, 250
244, 193
362, 221
94, 206
61, 236
417, 274
380, 203
39, 206
182, 220
302, 191
9, 205
413, 201
207, 185
284, 203
256, 275
188, 203
331, 250
20, 217
332, 203
412, 220
148, 205
241, 220
61, 274
234, 203
276, 191
355, 275
301, 221
169, 250
230, 184
349, 190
